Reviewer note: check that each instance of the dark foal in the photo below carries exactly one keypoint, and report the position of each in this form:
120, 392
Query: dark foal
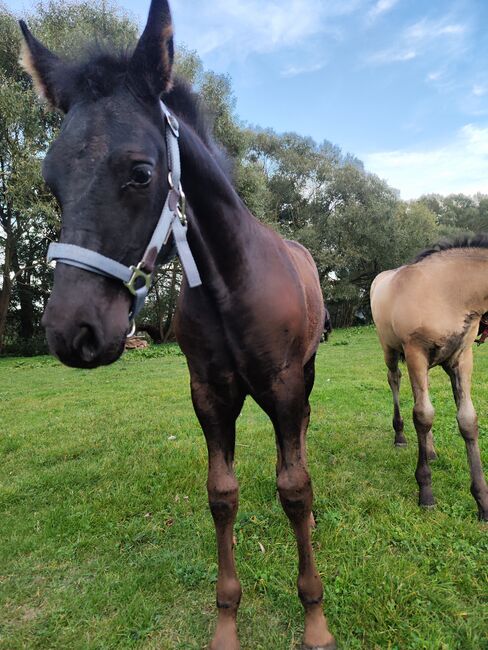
254, 325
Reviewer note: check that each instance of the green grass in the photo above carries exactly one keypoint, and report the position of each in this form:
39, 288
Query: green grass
106, 541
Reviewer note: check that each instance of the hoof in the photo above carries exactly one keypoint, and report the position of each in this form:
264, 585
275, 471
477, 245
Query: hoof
426, 498
483, 517
400, 444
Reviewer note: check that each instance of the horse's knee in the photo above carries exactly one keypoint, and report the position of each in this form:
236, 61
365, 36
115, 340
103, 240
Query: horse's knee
468, 422
223, 497
295, 490
423, 415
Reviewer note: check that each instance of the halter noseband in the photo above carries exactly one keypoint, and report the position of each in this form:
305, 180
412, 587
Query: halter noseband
137, 279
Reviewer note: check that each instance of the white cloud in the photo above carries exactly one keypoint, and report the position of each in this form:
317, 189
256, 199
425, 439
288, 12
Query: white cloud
479, 90
421, 38
436, 75
296, 70
381, 7
392, 56
428, 30
459, 166
240, 27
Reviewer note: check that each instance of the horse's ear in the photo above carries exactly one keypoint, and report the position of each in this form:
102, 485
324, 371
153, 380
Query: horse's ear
151, 65
41, 64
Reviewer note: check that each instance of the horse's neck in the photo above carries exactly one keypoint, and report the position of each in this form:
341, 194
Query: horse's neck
477, 281
220, 226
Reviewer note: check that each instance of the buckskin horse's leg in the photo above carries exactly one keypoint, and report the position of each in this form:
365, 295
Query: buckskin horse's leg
460, 375
217, 408
286, 404
394, 379
423, 417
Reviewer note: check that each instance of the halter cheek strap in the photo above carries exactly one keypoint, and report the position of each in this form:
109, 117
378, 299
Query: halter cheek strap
137, 279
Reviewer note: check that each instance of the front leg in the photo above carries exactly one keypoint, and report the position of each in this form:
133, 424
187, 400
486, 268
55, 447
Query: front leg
217, 407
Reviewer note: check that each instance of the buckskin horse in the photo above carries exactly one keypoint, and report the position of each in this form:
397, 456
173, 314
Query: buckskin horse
428, 312
253, 325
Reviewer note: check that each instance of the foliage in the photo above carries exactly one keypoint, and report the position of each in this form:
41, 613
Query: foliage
107, 541
458, 212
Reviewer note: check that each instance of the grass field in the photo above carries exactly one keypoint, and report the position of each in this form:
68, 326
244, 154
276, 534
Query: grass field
106, 541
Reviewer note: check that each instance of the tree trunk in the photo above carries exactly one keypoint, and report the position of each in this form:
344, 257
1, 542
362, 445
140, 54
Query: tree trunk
167, 328
26, 325
25, 294
152, 330
6, 292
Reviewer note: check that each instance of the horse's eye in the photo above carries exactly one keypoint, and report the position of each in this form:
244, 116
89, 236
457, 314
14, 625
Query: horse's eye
141, 175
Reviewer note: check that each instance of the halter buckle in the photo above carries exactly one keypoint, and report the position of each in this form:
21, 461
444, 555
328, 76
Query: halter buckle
137, 273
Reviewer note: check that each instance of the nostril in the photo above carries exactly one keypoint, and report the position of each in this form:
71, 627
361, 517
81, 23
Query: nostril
87, 344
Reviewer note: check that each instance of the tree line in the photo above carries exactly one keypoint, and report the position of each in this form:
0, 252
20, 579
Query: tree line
353, 223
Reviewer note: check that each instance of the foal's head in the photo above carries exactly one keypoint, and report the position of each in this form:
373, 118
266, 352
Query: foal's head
109, 172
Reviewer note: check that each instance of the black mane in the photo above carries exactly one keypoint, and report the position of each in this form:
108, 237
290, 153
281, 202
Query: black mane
189, 106
101, 72
462, 241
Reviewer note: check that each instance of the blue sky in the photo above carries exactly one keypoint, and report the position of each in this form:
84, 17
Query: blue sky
402, 84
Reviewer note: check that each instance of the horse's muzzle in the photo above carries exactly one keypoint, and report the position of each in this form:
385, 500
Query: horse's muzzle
82, 344
86, 318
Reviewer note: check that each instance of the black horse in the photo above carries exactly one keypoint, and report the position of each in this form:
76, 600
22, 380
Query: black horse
254, 325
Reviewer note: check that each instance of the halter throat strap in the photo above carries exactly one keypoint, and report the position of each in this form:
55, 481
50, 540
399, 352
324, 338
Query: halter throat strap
137, 278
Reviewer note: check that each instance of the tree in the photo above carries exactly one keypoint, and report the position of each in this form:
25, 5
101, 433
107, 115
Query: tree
415, 229
26, 210
362, 229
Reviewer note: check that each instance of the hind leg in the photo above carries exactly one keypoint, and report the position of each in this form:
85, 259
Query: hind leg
423, 417
460, 375
286, 404
309, 380
394, 379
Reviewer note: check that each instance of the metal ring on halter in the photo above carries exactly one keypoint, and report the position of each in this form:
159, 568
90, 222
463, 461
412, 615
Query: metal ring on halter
181, 216
137, 273
182, 201
132, 330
